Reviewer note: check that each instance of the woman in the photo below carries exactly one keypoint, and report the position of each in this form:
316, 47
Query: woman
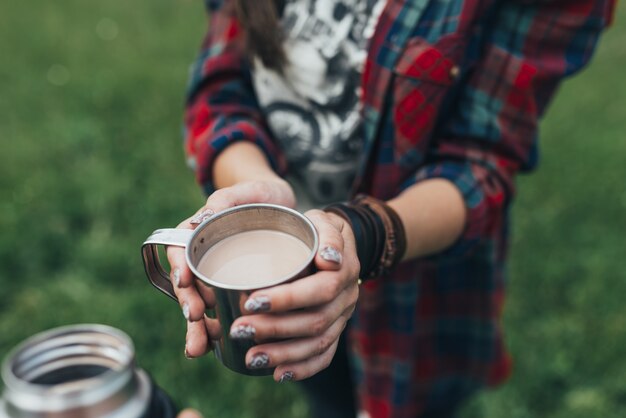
427, 109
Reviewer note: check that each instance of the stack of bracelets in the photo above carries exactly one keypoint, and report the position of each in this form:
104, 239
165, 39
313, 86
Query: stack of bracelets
378, 231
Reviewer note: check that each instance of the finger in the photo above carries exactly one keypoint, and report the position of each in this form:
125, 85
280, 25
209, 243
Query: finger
329, 255
307, 368
317, 289
197, 218
295, 350
206, 293
213, 327
180, 275
300, 323
197, 339
185, 290
189, 413
242, 193
191, 304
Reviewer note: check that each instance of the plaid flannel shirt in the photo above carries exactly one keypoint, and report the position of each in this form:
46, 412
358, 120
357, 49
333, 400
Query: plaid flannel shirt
451, 89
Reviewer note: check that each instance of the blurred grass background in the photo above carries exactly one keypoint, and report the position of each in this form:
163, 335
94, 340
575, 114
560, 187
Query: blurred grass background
91, 162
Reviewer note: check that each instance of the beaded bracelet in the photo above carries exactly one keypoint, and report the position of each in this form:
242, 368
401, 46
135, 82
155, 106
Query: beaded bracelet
378, 231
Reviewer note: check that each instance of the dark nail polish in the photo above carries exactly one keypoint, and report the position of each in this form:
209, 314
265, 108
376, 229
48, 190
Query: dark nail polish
177, 277
286, 377
202, 216
331, 254
258, 304
242, 332
259, 361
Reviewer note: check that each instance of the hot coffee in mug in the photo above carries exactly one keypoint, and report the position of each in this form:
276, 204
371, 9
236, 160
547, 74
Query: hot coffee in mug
252, 258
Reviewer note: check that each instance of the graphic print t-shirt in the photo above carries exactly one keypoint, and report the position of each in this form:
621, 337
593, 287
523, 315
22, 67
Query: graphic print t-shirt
313, 108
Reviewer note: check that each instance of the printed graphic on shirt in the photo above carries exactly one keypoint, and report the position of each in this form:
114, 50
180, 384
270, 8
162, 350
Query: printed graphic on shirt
313, 107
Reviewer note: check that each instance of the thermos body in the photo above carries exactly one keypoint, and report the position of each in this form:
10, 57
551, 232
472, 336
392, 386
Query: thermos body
79, 371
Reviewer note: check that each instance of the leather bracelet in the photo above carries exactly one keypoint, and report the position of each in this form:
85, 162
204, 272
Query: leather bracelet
378, 231
395, 239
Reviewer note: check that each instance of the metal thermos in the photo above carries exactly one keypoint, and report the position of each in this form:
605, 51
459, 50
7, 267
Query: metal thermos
79, 371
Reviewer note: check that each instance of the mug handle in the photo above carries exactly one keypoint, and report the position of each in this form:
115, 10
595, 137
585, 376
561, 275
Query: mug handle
149, 250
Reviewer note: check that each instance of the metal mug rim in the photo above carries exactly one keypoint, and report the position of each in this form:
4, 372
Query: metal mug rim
12, 380
239, 208
20, 391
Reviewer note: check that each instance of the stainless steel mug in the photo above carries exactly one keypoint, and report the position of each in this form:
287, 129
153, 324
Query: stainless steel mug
229, 298
79, 371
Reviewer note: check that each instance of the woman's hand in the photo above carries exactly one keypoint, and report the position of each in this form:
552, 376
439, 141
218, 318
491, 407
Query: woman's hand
308, 315
195, 299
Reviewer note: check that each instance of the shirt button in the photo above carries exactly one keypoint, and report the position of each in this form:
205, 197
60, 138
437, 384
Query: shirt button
455, 71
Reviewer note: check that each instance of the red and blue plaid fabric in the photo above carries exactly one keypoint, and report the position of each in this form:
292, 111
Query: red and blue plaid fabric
452, 89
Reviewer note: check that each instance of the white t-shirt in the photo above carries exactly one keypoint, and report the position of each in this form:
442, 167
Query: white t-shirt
313, 107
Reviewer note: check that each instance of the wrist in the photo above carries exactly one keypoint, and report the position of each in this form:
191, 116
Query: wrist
240, 162
378, 232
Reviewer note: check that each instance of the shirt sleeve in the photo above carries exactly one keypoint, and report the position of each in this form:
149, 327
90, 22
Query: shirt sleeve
221, 104
491, 132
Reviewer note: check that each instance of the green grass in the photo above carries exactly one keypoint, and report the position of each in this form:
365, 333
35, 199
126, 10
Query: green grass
91, 162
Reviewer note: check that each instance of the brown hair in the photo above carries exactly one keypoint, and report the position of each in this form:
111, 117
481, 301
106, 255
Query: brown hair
259, 20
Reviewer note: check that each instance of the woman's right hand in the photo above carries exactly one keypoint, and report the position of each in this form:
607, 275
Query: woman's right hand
194, 300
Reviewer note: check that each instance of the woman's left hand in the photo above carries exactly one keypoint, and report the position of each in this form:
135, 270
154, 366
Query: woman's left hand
306, 316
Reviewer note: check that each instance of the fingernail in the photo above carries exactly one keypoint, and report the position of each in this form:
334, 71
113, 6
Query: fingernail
258, 304
331, 254
186, 311
187, 356
259, 361
242, 332
202, 216
286, 377
177, 277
